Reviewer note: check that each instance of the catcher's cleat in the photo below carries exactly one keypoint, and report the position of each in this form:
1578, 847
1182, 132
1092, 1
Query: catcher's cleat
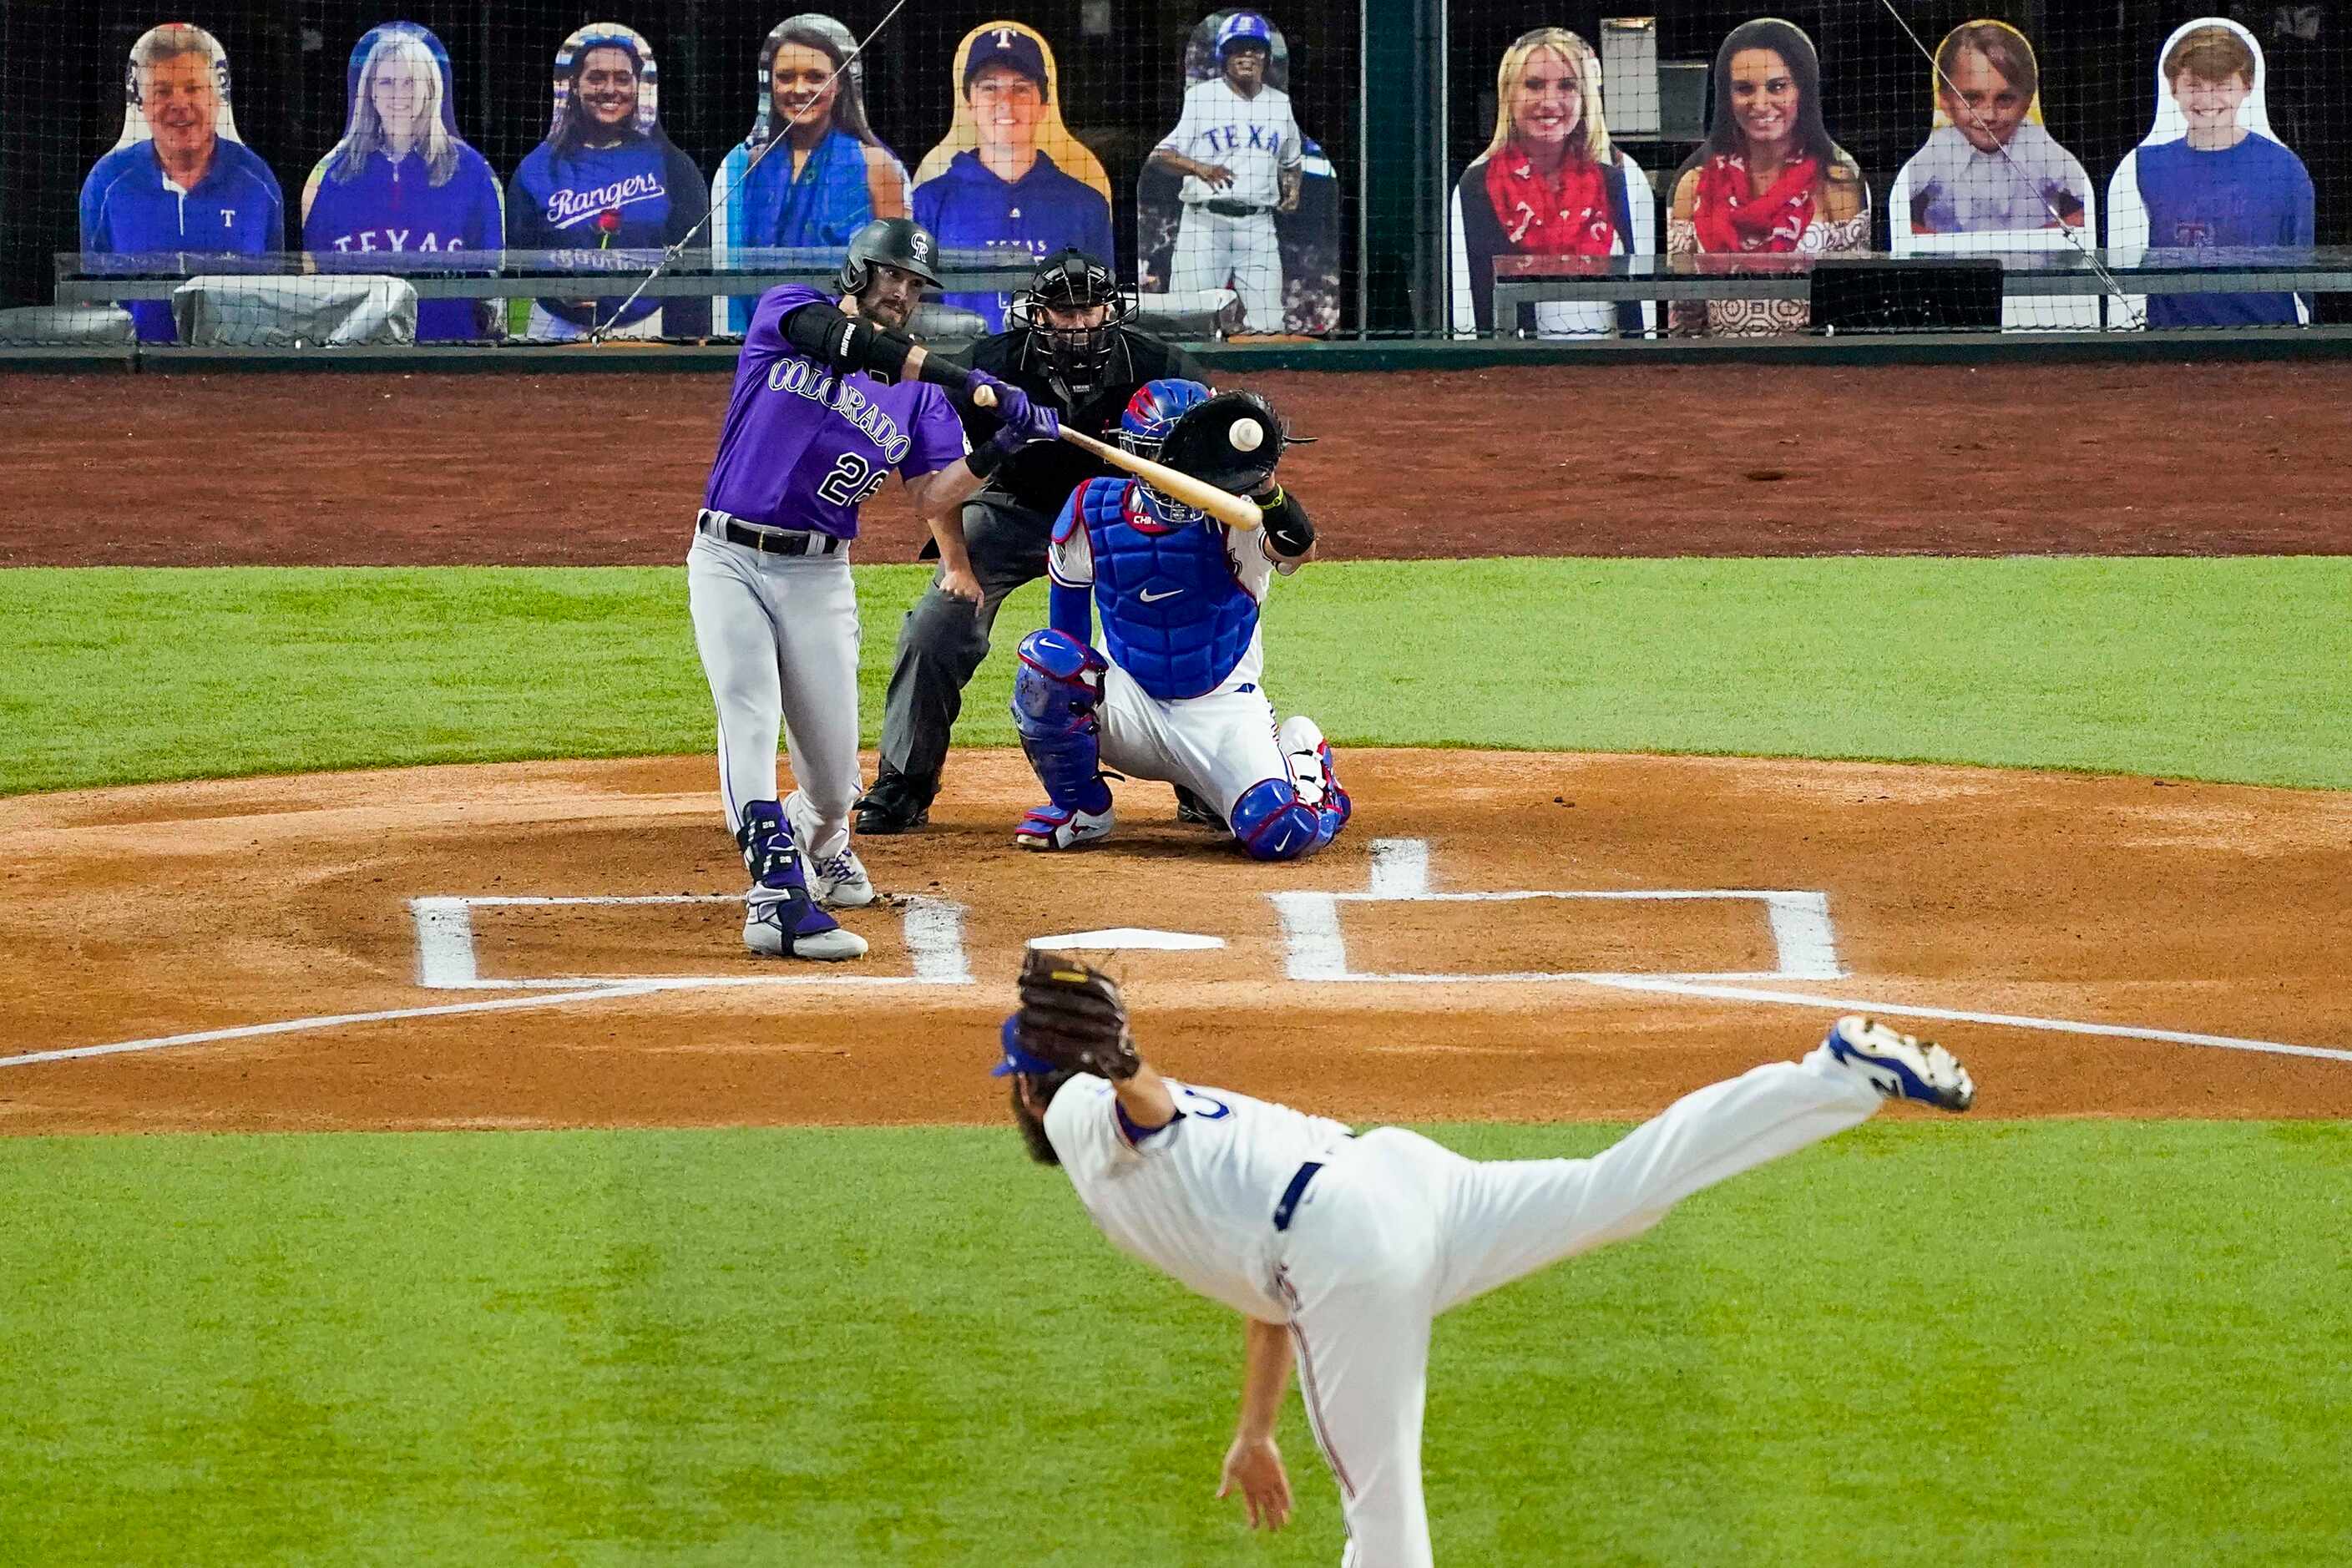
896, 803
1198, 813
796, 928
1899, 1067
1051, 826
840, 882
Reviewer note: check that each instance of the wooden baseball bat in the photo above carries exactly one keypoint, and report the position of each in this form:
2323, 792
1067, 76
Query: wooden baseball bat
1232, 510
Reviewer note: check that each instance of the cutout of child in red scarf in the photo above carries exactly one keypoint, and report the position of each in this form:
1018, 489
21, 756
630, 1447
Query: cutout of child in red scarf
1768, 180
1550, 184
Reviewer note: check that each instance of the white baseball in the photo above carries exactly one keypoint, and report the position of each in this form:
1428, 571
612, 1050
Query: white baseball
1247, 435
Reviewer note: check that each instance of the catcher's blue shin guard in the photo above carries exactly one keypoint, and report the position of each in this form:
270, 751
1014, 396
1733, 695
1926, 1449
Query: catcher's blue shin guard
1054, 696
1274, 824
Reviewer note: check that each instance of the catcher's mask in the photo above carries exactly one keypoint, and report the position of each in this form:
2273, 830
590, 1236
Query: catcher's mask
1017, 1060
1151, 416
1072, 281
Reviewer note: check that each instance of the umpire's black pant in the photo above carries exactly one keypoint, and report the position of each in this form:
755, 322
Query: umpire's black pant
942, 640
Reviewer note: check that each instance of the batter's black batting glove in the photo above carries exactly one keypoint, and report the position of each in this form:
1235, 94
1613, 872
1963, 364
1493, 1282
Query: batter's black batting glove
1287, 527
1073, 1016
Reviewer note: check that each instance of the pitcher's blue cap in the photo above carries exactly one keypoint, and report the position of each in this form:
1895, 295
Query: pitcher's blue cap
1015, 1059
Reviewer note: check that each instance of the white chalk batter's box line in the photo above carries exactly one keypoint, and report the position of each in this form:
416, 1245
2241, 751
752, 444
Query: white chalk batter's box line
446, 958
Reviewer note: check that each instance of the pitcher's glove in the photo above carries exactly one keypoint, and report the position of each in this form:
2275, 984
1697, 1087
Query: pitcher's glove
1072, 1014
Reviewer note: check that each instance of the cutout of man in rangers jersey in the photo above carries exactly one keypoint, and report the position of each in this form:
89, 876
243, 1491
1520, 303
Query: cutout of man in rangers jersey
1242, 154
1177, 698
1339, 1251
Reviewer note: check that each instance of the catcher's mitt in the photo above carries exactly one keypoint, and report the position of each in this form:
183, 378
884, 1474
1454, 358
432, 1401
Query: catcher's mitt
1072, 1015
1202, 445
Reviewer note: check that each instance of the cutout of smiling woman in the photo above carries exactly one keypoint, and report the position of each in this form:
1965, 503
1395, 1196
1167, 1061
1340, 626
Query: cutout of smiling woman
402, 181
607, 178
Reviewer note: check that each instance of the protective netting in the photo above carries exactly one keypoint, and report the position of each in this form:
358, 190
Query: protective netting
1775, 164
320, 173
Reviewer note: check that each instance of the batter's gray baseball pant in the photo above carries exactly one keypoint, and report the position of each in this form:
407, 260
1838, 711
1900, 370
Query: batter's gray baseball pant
942, 640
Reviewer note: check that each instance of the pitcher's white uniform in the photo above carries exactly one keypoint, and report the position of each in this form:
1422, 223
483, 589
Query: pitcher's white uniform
1359, 1255
1216, 744
1230, 233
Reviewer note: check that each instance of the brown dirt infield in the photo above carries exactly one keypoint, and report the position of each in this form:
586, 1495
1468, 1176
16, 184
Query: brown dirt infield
135, 914
605, 468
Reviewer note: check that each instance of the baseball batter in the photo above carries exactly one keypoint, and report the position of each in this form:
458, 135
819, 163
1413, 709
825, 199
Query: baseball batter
1239, 148
1338, 1250
1177, 696
828, 400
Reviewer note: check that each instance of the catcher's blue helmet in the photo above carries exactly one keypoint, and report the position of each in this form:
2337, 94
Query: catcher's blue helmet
1153, 411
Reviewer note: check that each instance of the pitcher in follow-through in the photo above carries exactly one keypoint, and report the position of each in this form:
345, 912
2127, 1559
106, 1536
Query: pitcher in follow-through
1340, 1250
829, 398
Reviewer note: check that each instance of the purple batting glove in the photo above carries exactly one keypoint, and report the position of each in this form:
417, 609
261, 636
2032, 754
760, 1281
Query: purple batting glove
1023, 419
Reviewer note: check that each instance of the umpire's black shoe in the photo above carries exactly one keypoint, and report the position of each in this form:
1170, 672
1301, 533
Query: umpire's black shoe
1192, 808
896, 803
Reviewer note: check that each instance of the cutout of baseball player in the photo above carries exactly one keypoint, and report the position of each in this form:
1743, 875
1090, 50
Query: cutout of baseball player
1176, 694
830, 397
1766, 181
402, 181
1549, 183
1338, 1250
2211, 174
1008, 175
1238, 147
1071, 349
179, 178
608, 178
833, 175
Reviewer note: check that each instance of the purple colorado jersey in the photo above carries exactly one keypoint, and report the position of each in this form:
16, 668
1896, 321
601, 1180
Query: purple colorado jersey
803, 448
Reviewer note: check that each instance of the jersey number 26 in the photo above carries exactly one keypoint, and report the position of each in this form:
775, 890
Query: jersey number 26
853, 482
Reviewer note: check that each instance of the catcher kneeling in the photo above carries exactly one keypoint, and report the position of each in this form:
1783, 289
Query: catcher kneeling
1175, 694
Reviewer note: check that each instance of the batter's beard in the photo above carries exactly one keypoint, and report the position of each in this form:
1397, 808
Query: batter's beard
1033, 1129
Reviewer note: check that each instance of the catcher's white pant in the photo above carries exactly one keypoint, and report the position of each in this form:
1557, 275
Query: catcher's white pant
777, 636
1397, 1229
1217, 746
1213, 246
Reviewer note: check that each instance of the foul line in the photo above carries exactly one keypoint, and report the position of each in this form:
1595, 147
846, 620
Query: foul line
293, 1025
1958, 1015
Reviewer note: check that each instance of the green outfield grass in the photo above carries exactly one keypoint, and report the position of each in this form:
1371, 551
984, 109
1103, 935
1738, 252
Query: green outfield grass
2228, 670
1930, 1343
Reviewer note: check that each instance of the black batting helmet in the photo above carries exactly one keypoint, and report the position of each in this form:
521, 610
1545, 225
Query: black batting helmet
1071, 280
899, 242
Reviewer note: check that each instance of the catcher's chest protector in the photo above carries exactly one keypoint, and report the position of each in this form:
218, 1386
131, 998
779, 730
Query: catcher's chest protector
1172, 615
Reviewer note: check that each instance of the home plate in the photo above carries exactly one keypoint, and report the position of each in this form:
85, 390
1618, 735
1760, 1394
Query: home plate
1131, 937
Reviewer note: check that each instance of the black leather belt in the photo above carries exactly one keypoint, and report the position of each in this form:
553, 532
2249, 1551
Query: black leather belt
1234, 209
769, 541
1293, 1193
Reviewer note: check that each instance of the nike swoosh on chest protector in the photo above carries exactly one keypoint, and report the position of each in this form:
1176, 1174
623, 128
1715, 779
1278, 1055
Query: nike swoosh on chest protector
1149, 597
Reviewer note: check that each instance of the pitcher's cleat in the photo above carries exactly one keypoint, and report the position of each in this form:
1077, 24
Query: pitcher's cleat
1899, 1067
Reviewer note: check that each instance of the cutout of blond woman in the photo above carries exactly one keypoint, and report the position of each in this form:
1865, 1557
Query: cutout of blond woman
402, 181
608, 178
1767, 181
832, 176
1551, 183
2211, 176
1010, 176
179, 178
